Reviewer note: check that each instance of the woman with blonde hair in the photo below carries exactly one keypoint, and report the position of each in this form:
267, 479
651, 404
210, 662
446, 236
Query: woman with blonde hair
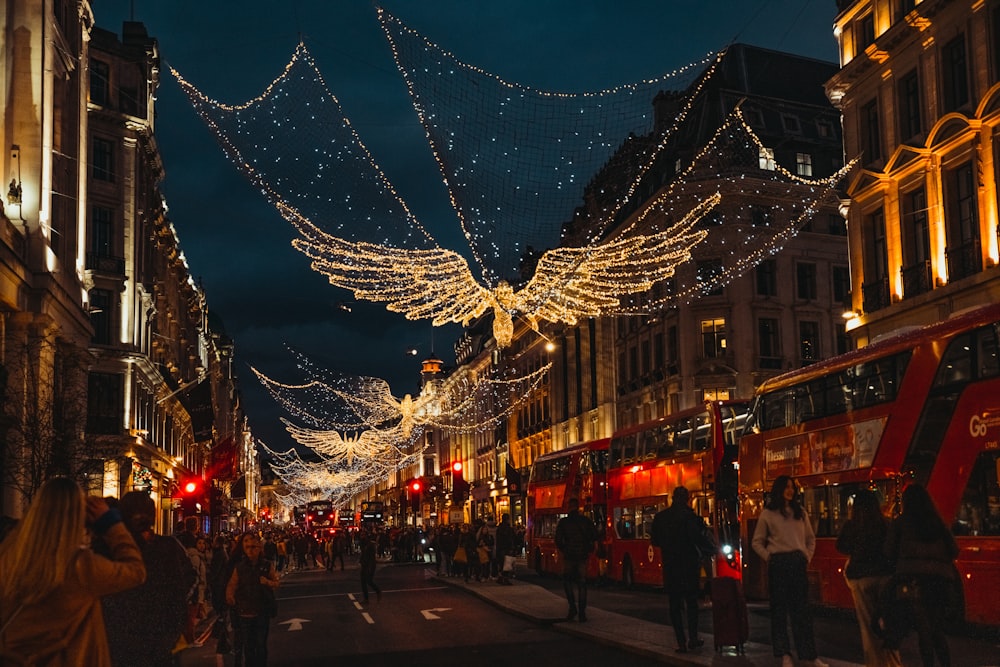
51, 582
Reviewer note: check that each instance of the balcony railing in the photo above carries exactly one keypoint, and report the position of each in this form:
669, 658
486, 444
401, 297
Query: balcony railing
769, 363
964, 261
876, 295
114, 266
917, 279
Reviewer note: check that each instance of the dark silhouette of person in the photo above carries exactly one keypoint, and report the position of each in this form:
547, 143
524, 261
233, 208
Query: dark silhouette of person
145, 623
924, 552
367, 562
680, 535
250, 592
575, 538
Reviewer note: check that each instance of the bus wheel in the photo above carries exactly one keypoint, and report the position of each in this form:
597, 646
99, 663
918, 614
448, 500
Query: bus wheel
538, 562
628, 575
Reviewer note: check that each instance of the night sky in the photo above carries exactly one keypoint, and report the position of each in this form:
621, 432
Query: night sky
239, 247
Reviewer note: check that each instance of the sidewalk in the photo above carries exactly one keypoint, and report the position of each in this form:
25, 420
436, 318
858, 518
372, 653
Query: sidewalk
654, 640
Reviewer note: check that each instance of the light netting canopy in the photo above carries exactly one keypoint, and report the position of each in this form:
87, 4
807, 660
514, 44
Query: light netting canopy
516, 159
295, 143
518, 163
350, 412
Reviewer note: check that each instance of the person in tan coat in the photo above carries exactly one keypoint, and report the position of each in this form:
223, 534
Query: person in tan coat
51, 583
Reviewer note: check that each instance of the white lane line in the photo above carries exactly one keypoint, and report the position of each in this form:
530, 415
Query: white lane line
350, 596
368, 618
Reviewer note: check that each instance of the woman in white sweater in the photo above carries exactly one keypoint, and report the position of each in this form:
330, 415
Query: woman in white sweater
784, 538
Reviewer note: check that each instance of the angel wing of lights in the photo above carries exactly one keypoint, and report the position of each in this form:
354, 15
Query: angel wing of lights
386, 418
369, 445
568, 284
502, 148
399, 260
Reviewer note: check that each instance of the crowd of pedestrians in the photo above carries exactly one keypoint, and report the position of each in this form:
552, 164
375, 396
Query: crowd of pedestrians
134, 598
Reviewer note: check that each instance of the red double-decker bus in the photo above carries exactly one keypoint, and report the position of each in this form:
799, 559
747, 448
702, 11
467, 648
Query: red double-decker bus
921, 406
694, 448
575, 472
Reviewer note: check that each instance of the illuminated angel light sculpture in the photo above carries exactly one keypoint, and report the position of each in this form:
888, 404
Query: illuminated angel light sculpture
515, 160
365, 445
366, 407
569, 284
399, 262
326, 477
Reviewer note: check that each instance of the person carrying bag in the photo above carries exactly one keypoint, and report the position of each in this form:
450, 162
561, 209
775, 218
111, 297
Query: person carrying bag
925, 592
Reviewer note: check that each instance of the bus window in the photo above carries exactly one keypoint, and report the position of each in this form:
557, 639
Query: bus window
733, 421
979, 513
816, 504
628, 449
956, 364
702, 432
664, 441
648, 445
599, 461
545, 525
772, 411
972, 356
988, 354
804, 400
682, 436
646, 527
704, 507
877, 381
829, 507
624, 523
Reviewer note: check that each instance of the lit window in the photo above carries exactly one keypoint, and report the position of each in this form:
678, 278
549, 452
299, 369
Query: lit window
803, 164
713, 335
767, 158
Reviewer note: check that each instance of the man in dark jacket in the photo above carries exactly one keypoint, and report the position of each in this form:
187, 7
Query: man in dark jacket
575, 538
504, 548
683, 538
145, 623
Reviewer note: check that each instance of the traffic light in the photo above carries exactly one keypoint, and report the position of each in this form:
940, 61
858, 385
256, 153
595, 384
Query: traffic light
459, 487
192, 495
414, 487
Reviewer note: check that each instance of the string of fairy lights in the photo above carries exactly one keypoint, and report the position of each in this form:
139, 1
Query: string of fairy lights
367, 433
434, 282
366, 405
503, 147
517, 162
330, 478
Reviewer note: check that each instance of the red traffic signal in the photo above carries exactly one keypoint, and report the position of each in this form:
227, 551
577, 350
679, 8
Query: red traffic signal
459, 487
415, 486
190, 486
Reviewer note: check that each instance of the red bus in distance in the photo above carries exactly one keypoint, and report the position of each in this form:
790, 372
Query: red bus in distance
575, 472
920, 406
694, 448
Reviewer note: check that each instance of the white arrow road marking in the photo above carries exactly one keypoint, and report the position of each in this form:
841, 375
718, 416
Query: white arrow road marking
294, 623
430, 615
